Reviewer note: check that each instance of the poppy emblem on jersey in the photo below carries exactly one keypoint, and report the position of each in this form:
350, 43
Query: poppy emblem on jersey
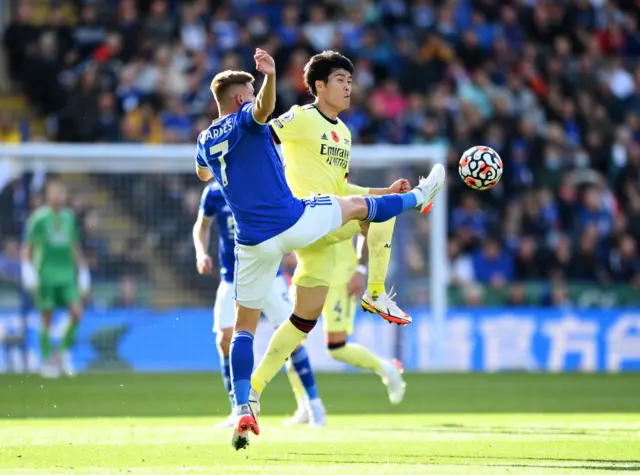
335, 137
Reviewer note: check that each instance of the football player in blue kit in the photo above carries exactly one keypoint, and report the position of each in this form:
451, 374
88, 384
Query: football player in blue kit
237, 150
277, 306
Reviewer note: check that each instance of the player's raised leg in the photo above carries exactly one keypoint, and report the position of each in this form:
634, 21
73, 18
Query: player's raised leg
307, 309
376, 299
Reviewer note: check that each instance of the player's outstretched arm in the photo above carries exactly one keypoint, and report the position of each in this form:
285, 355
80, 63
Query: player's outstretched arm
266, 99
201, 237
399, 186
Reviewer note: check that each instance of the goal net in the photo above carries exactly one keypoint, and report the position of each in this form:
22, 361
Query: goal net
136, 206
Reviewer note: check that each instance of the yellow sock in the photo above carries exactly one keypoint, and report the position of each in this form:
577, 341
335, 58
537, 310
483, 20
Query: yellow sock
283, 342
296, 384
379, 245
358, 356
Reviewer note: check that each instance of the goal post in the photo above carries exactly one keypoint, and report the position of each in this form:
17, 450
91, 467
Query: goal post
120, 160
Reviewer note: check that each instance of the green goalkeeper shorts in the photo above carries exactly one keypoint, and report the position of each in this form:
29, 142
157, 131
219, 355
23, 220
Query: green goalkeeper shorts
49, 297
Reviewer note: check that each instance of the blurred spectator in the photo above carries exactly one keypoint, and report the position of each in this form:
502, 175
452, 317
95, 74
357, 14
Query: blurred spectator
594, 212
492, 265
9, 130
10, 261
554, 87
518, 296
90, 32
473, 295
109, 119
127, 294
461, 269
529, 263
556, 295
468, 216
19, 37
624, 262
586, 264
95, 245
319, 30
132, 261
159, 29
80, 120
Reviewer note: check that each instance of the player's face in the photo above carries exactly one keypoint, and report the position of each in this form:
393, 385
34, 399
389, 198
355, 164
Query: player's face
56, 195
337, 91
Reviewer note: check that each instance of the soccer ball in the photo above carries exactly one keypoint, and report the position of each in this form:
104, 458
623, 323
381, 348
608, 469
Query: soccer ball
480, 167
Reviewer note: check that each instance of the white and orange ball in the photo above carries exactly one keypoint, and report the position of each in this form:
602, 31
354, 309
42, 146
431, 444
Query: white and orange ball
480, 167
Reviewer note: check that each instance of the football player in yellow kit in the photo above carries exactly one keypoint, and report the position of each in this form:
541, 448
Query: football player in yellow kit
338, 315
316, 147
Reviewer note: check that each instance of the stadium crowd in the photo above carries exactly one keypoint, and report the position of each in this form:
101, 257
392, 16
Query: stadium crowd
553, 86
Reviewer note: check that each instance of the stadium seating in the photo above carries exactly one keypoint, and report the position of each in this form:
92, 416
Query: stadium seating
553, 87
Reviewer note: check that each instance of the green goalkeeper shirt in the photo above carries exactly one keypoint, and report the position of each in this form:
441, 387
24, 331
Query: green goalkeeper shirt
52, 236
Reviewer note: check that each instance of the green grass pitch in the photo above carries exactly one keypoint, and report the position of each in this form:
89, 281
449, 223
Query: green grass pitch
462, 424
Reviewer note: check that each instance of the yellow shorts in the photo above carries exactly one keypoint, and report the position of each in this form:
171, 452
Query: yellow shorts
317, 262
339, 310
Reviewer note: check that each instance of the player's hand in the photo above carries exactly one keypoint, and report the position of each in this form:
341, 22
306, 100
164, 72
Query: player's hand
356, 285
205, 265
400, 186
264, 62
29, 277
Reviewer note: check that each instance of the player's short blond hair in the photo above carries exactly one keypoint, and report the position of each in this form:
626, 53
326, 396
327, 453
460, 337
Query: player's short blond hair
225, 80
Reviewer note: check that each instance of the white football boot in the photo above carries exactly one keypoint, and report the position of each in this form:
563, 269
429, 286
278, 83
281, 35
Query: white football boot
50, 369
66, 364
300, 417
229, 421
244, 424
392, 378
430, 187
386, 307
318, 413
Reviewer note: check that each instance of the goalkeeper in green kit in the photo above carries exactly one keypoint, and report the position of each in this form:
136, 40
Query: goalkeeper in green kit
55, 272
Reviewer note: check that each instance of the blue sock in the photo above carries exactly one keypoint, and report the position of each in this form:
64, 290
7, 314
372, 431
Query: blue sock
302, 365
383, 208
225, 369
241, 366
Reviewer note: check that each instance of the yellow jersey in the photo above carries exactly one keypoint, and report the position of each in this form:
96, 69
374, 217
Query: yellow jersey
316, 151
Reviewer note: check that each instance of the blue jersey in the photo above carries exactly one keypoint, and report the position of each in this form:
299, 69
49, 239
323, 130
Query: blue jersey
243, 159
213, 205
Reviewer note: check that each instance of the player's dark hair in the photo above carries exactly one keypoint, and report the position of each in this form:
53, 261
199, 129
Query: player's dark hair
320, 67
223, 81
